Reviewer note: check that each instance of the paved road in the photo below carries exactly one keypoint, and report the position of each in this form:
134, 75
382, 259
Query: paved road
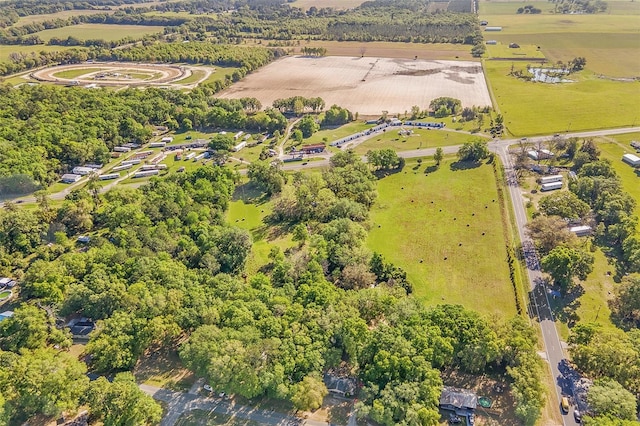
178, 403
540, 308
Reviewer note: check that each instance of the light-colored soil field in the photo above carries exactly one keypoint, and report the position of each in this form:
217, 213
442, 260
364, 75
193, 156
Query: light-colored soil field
336, 4
536, 108
365, 85
99, 31
431, 224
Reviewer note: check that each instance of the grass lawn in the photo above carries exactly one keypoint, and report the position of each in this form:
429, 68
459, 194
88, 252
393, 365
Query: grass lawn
76, 73
99, 31
421, 138
502, 50
334, 133
588, 302
194, 77
5, 294
613, 149
219, 73
247, 211
419, 226
536, 108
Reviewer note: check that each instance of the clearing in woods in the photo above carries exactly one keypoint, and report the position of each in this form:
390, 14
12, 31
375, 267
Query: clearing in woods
366, 85
451, 242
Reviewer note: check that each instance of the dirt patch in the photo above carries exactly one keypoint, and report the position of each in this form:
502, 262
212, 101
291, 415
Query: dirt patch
365, 85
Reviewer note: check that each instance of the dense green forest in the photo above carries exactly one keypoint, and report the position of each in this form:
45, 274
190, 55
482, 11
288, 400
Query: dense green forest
163, 267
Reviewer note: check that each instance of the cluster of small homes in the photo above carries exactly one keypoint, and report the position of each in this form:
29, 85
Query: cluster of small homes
79, 172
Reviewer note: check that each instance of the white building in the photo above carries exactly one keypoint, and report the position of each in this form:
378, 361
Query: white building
167, 139
632, 160
543, 154
581, 231
551, 186
82, 171
70, 178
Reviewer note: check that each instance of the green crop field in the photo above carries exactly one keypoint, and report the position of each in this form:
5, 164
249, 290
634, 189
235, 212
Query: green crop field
24, 20
99, 31
609, 41
536, 108
431, 224
421, 138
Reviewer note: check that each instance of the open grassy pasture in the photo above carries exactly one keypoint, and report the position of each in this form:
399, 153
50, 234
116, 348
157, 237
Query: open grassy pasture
24, 20
73, 73
218, 74
608, 41
247, 211
535, 108
99, 31
195, 76
421, 138
502, 50
431, 224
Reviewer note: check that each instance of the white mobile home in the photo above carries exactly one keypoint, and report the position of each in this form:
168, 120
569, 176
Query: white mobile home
157, 144
237, 135
82, 171
121, 149
145, 173
122, 167
109, 176
239, 146
167, 139
189, 156
543, 154
70, 178
131, 162
550, 186
581, 231
551, 179
632, 160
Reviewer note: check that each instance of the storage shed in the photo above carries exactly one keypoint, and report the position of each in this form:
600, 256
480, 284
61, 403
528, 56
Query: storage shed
632, 160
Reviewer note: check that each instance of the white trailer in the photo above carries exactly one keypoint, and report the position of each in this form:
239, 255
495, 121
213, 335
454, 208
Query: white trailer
145, 173
550, 186
121, 149
122, 167
189, 156
551, 179
157, 144
109, 176
239, 146
199, 157
131, 162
